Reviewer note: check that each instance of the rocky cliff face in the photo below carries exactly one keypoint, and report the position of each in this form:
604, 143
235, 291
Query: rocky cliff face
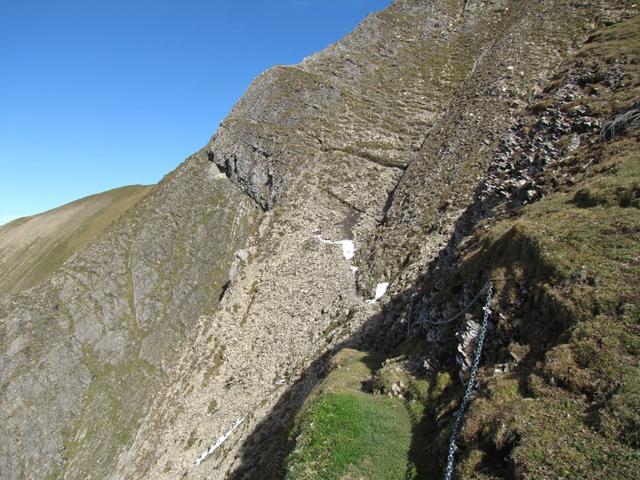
209, 308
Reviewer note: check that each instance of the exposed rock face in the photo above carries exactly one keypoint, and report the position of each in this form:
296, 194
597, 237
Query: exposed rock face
365, 101
210, 298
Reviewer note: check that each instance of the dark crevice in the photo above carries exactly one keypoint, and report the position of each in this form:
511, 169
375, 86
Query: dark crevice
367, 156
346, 203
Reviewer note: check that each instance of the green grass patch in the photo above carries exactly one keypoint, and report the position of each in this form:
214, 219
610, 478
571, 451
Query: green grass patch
353, 434
344, 432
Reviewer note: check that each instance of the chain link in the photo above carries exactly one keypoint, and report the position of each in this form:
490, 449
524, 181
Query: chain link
448, 475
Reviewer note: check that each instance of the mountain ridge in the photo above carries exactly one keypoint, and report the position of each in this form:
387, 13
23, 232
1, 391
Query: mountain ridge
44, 238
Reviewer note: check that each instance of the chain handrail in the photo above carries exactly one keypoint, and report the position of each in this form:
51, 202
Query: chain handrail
448, 475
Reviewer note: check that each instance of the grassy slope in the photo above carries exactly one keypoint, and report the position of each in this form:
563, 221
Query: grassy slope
570, 407
119, 394
33, 247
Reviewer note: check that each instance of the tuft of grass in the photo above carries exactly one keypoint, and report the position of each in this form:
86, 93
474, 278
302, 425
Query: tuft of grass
213, 406
621, 123
191, 440
214, 367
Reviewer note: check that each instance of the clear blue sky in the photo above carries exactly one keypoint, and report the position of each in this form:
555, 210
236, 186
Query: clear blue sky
96, 94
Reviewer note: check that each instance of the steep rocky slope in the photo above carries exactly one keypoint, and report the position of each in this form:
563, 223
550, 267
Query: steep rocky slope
208, 310
84, 352
33, 247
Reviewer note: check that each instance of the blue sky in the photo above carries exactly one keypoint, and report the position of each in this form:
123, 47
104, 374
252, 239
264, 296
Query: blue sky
97, 94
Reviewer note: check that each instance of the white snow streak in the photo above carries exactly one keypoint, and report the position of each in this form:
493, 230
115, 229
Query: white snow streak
381, 289
218, 442
348, 247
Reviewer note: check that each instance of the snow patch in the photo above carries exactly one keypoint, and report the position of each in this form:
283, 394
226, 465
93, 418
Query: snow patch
381, 289
348, 247
354, 269
218, 442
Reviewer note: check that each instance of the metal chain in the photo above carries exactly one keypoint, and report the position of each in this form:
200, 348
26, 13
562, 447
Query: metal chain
455, 317
409, 315
448, 475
